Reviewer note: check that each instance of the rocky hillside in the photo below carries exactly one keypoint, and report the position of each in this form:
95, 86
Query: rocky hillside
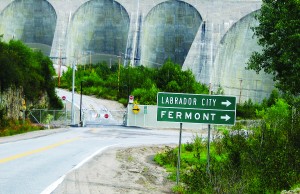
11, 102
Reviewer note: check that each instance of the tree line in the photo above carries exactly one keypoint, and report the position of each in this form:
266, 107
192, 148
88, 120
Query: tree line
21, 67
118, 82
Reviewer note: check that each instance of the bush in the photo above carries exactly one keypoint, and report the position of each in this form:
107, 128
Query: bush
144, 83
14, 127
264, 160
247, 110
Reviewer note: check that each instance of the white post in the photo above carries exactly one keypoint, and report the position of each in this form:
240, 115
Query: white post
73, 85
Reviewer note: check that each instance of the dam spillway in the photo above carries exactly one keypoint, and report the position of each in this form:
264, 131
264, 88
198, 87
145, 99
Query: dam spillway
210, 37
34, 25
105, 26
169, 29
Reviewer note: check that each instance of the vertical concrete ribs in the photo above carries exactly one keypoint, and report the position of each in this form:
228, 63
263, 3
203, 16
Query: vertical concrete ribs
204, 36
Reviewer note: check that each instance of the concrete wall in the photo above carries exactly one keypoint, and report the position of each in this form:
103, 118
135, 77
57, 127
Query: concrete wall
229, 67
147, 117
32, 21
100, 28
168, 32
210, 37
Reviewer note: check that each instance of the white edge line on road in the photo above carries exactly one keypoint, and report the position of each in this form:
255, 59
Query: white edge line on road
55, 184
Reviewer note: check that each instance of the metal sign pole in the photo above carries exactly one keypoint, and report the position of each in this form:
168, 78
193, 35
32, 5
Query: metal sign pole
80, 111
196, 108
208, 139
179, 153
208, 149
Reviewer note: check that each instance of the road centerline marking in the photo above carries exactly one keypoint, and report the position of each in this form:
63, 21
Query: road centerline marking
28, 153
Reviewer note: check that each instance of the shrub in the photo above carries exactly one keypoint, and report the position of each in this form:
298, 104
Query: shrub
264, 160
14, 127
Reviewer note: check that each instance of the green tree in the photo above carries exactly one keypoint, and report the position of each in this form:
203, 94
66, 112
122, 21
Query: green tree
146, 95
117, 83
171, 78
279, 35
32, 71
167, 73
47, 72
66, 79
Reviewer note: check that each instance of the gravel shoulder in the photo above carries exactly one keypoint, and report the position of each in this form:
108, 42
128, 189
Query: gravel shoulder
120, 170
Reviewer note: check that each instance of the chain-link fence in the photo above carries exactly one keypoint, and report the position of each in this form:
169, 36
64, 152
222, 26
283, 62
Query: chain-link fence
57, 118
54, 118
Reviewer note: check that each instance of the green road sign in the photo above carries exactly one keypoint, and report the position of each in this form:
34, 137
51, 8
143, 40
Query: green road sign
195, 116
196, 108
196, 101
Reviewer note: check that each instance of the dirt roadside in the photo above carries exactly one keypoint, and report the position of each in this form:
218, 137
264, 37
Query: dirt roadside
119, 170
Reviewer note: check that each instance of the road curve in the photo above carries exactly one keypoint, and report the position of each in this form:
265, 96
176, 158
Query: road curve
31, 164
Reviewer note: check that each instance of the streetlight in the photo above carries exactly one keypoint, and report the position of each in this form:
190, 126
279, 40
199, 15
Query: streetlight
73, 86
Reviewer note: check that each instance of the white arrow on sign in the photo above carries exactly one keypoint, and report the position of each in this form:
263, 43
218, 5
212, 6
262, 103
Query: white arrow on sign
227, 103
226, 118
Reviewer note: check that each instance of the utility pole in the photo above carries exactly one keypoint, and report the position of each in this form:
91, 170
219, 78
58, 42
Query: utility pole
256, 91
58, 59
119, 73
59, 66
241, 80
90, 58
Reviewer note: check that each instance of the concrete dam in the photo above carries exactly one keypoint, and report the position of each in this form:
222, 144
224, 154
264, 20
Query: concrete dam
213, 38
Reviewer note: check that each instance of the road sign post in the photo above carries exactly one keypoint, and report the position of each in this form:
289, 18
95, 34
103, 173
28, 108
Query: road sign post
131, 99
195, 108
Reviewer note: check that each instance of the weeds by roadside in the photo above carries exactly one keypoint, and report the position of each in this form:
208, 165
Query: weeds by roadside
10, 127
265, 160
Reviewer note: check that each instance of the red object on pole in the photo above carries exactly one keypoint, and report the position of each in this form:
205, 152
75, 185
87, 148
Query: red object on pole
131, 98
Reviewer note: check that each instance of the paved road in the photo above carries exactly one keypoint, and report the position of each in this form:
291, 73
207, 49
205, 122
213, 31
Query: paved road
94, 109
31, 163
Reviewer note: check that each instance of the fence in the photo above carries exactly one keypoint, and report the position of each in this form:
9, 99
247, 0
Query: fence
58, 118
54, 118
49, 117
